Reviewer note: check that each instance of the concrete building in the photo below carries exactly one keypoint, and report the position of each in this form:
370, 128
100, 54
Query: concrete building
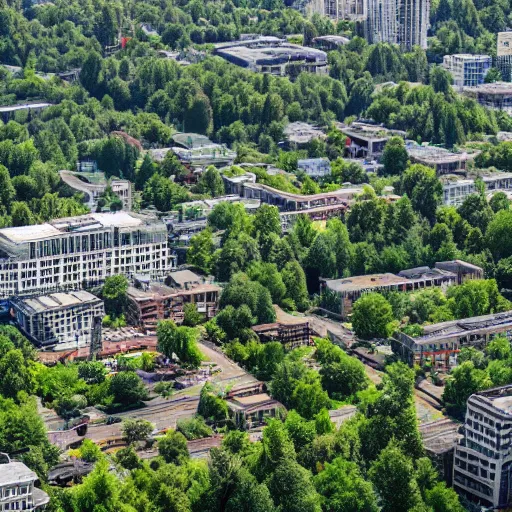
483, 458
497, 96
328, 43
455, 189
442, 160
151, 301
403, 22
8, 111
339, 295
18, 490
352, 10
315, 167
196, 150
75, 252
200, 209
250, 406
441, 343
274, 56
287, 201
467, 70
462, 269
366, 140
59, 320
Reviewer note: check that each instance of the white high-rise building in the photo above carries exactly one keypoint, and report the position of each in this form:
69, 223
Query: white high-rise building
483, 458
82, 251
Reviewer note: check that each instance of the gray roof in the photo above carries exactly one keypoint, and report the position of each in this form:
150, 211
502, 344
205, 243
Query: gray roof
181, 277
55, 301
15, 472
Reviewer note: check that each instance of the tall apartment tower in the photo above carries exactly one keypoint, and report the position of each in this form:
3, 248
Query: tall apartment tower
483, 458
403, 22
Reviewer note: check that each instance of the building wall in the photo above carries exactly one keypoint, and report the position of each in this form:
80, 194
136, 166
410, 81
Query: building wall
483, 459
467, 70
72, 261
53, 327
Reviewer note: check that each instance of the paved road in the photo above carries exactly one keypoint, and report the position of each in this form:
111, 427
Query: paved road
164, 412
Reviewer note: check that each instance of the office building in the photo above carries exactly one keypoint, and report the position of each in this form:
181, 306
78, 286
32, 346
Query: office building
483, 458
441, 343
59, 320
467, 70
315, 167
17, 489
81, 251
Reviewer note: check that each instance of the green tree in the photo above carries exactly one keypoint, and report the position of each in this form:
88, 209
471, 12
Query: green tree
294, 280
343, 489
393, 476
15, 375
173, 447
211, 182
372, 317
499, 235
421, 185
395, 156
201, 249
181, 341
127, 388
136, 430
191, 317
115, 294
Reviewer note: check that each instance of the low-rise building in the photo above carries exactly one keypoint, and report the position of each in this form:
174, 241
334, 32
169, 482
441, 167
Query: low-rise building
315, 167
234, 183
328, 43
497, 95
462, 269
442, 160
274, 56
365, 140
300, 134
483, 458
339, 295
291, 331
196, 150
17, 488
59, 320
456, 189
467, 70
441, 343
250, 406
149, 301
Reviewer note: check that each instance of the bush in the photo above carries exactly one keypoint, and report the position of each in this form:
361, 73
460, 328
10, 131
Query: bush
194, 428
173, 447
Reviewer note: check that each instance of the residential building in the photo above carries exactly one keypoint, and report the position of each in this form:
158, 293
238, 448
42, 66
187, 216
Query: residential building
442, 160
151, 301
17, 488
440, 343
250, 406
353, 10
291, 331
483, 458
339, 295
274, 56
76, 252
299, 134
497, 96
315, 167
403, 22
365, 140
59, 320
467, 70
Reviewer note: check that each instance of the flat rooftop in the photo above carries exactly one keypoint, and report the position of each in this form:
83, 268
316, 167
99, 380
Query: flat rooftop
500, 398
55, 301
80, 223
15, 472
467, 326
436, 155
245, 54
497, 88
